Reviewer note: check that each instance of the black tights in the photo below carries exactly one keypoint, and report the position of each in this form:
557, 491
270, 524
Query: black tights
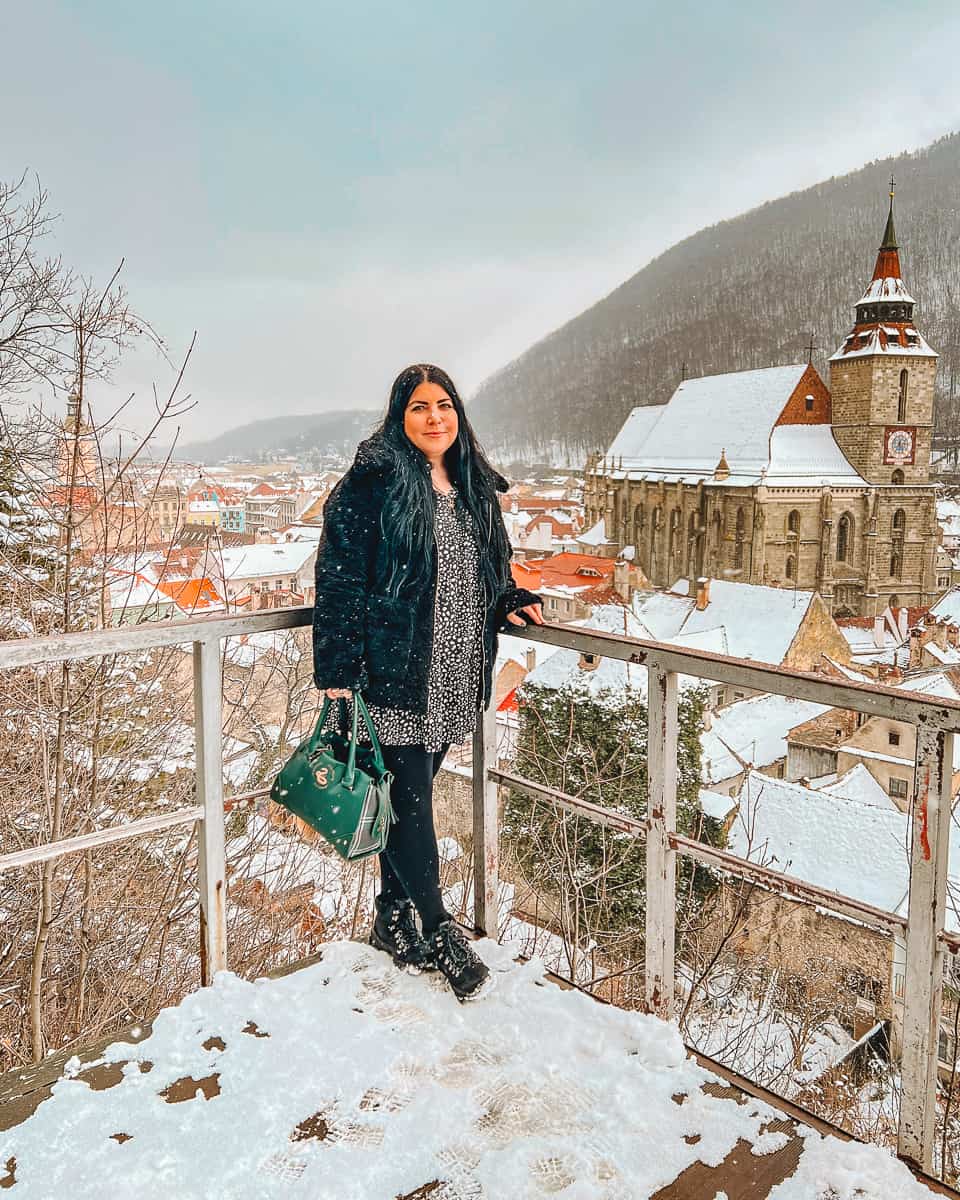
410, 864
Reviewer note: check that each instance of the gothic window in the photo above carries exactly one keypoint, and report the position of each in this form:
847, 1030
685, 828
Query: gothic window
844, 538
738, 540
899, 521
897, 476
793, 522
656, 521
896, 564
791, 569
639, 522
902, 397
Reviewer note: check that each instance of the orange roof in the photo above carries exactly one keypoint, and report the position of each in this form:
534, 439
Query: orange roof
572, 570
190, 594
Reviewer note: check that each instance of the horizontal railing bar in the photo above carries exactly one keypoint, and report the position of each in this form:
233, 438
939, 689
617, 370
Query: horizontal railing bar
100, 837
596, 812
799, 889
879, 699
125, 639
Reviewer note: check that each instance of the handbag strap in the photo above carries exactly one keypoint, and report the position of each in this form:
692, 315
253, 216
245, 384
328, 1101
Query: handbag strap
359, 709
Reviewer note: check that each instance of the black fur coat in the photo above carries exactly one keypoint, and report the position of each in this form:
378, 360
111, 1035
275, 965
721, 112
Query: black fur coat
364, 638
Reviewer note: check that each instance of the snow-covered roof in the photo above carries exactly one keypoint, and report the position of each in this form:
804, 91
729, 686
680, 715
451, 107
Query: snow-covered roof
610, 678
805, 455
596, 535
839, 844
756, 729
874, 344
757, 622
252, 562
717, 761
889, 288
716, 805
858, 784
947, 608
854, 847
635, 431
733, 415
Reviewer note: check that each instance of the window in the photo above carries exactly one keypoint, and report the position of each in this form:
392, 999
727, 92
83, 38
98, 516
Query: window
896, 567
721, 696
808, 403
741, 526
897, 476
899, 521
791, 567
738, 695
897, 788
893, 739
898, 982
844, 538
793, 522
902, 397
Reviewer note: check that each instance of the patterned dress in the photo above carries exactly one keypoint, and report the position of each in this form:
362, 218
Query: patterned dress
454, 677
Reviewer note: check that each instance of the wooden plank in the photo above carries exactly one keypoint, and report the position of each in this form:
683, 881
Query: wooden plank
661, 869
486, 831
574, 804
926, 915
208, 718
100, 837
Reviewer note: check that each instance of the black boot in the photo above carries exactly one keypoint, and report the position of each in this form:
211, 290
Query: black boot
454, 956
395, 932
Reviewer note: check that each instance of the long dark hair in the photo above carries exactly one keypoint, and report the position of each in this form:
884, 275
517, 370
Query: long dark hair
407, 517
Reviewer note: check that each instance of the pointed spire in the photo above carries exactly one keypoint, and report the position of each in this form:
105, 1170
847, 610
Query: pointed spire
722, 469
890, 234
888, 257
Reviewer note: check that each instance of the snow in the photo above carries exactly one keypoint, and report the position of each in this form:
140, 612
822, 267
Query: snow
756, 729
705, 417
611, 678
838, 844
947, 608
757, 622
858, 784
717, 761
716, 805
253, 562
808, 455
596, 535
889, 288
531, 1090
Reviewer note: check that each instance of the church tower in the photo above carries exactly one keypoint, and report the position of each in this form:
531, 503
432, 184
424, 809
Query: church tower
882, 377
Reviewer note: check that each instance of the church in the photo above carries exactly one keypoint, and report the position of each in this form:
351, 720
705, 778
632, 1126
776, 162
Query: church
770, 477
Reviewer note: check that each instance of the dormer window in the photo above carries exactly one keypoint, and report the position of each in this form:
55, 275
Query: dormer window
808, 403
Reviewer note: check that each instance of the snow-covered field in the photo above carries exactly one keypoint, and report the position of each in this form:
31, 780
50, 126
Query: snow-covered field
350, 1080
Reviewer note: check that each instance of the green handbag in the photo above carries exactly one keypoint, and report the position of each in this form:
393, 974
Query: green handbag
340, 789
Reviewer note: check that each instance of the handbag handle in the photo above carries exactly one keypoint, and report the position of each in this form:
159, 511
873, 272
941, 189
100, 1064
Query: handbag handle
359, 709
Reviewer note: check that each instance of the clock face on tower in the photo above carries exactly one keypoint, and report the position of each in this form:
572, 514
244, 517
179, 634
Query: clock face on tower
899, 445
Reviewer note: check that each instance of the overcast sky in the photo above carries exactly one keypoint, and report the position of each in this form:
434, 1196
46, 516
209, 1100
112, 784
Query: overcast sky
326, 192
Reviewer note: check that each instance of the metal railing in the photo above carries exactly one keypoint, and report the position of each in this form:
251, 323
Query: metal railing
936, 722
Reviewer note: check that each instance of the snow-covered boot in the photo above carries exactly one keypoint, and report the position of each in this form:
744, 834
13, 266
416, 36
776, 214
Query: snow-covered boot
395, 932
467, 974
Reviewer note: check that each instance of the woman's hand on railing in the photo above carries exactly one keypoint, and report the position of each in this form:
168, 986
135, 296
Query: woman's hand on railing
533, 613
338, 693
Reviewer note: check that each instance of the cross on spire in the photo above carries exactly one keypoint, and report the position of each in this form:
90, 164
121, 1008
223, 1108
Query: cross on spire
811, 347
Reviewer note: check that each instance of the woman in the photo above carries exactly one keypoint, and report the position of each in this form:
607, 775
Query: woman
413, 581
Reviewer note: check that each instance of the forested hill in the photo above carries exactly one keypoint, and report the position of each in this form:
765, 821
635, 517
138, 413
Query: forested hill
745, 293
277, 437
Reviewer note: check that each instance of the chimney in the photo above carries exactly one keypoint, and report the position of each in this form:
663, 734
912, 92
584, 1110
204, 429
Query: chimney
916, 647
902, 623
703, 594
878, 632
531, 658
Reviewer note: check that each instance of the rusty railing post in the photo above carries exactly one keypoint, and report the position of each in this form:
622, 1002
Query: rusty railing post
923, 983
208, 719
486, 831
661, 914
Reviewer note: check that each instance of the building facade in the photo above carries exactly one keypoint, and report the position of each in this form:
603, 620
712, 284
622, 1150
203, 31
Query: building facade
771, 477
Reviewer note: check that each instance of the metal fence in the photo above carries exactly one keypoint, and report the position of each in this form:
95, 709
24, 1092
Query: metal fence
936, 722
